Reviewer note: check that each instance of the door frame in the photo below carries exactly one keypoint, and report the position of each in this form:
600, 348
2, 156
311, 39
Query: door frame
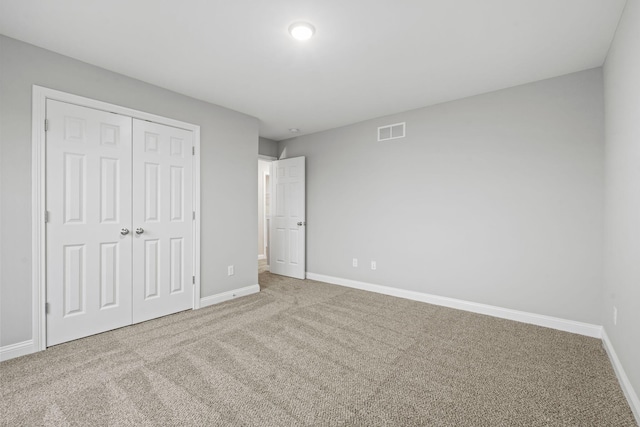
38, 196
265, 234
268, 159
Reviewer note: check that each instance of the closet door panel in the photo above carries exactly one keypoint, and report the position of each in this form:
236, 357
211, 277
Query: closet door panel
162, 220
88, 197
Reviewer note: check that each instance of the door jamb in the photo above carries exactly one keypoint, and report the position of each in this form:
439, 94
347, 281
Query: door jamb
265, 242
267, 234
38, 201
266, 158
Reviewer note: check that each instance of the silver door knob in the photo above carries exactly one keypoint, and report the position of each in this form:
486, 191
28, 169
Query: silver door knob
139, 230
124, 231
300, 224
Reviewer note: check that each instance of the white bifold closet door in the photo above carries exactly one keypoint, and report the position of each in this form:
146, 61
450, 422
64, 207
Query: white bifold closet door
119, 230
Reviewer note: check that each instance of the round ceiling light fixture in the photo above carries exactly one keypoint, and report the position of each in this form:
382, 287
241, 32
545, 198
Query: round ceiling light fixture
294, 130
301, 30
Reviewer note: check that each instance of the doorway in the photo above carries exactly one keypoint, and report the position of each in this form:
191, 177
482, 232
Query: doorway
264, 218
281, 216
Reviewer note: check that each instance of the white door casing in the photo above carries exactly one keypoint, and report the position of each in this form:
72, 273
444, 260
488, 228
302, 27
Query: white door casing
288, 223
162, 220
88, 175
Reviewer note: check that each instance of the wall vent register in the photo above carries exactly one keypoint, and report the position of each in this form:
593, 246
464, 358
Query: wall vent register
394, 131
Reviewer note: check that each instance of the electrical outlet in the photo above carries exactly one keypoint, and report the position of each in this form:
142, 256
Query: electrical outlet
615, 315
355, 262
373, 265
230, 270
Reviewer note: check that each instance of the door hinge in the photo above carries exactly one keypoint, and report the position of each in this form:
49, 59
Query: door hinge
193, 279
46, 308
193, 151
46, 125
46, 216
194, 215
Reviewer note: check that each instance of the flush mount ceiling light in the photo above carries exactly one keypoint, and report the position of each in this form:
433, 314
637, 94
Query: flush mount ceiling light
294, 130
301, 30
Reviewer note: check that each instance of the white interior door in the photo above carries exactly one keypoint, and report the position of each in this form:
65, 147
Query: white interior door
120, 221
288, 237
162, 220
88, 193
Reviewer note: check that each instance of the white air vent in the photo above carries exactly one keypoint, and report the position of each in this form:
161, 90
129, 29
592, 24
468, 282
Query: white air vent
394, 131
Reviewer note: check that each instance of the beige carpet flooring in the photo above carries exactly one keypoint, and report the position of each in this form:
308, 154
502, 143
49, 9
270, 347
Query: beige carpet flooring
309, 353
263, 266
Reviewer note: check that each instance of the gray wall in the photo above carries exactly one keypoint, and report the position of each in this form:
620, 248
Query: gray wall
622, 192
495, 199
228, 179
267, 147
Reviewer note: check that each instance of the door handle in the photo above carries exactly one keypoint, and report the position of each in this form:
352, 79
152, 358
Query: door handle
300, 224
139, 230
124, 231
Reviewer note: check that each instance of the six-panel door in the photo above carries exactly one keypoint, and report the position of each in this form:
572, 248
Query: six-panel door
88, 174
287, 234
119, 234
162, 217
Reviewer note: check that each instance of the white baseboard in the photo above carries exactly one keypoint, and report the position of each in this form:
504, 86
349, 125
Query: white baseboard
625, 384
16, 350
587, 329
229, 295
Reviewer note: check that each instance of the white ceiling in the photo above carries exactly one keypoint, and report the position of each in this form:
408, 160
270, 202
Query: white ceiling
369, 58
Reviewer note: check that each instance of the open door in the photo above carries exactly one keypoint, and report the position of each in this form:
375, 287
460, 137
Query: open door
287, 236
